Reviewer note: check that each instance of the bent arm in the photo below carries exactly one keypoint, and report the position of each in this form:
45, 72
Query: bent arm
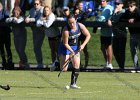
87, 35
18, 20
50, 21
65, 36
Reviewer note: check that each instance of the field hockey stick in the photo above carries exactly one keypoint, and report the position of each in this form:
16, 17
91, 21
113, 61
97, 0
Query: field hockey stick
67, 63
5, 87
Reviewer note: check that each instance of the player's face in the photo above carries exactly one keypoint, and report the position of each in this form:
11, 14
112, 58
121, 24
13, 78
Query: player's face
72, 23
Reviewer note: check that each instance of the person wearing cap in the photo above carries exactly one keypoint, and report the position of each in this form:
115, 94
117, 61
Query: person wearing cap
106, 33
119, 35
66, 13
132, 15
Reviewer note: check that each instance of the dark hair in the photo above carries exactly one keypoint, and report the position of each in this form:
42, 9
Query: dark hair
71, 16
107, 0
132, 2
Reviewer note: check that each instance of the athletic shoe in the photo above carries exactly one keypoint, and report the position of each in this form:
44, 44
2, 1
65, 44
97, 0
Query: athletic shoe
54, 65
133, 71
74, 86
120, 70
40, 66
4, 65
23, 65
109, 66
136, 70
10, 66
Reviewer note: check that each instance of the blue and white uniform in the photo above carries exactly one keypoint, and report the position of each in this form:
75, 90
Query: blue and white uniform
73, 41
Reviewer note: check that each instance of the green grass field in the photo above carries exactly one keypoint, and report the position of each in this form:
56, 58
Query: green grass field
95, 54
45, 85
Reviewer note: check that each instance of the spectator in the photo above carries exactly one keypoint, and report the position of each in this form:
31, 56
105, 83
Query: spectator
5, 42
66, 13
106, 33
8, 6
72, 4
119, 35
58, 8
131, 16
38, 35
81, 16
69, 47
20, 36
51, 32
24, 5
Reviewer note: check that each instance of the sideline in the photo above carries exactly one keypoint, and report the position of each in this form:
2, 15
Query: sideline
82, 69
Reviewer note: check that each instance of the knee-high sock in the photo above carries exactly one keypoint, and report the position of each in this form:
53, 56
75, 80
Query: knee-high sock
74, 75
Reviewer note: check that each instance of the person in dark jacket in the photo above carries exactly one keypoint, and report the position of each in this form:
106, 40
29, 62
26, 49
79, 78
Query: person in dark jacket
20, 36
131, 16
119, 35
5, 42
81, 16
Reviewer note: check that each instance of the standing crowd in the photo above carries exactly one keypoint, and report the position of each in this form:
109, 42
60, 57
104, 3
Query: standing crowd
113, 39
72, 38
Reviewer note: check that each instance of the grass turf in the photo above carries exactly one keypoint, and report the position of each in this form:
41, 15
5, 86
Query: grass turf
95, 55
45, 85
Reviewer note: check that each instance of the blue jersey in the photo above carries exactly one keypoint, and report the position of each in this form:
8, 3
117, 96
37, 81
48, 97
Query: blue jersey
89, 4
72, 41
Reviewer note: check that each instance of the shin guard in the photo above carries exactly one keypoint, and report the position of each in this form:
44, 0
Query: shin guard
74, 75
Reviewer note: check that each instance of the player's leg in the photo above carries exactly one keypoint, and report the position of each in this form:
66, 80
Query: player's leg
75, 70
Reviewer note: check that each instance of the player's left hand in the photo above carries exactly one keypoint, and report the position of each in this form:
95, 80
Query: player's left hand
81, 47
